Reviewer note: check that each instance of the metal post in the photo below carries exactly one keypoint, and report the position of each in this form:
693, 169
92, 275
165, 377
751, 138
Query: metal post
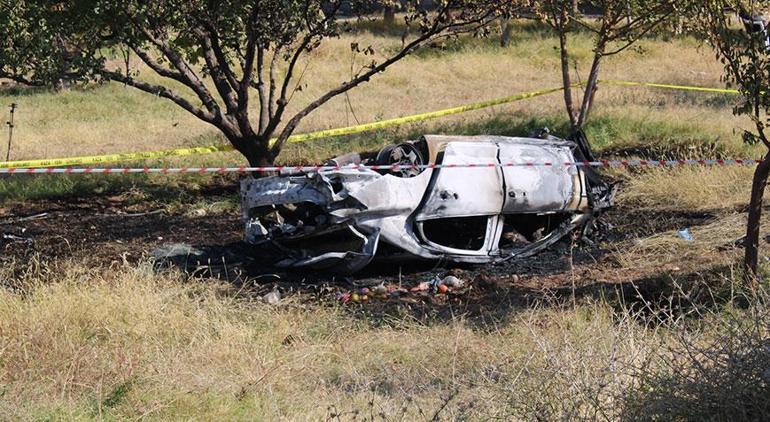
10, 132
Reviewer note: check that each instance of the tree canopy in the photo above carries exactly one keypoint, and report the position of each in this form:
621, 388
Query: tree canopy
225, 54
45, 42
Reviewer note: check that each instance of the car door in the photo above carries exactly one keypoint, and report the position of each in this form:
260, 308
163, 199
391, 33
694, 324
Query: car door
462, 205
465, 191
538, 188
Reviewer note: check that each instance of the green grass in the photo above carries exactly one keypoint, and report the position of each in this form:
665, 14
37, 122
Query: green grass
610, 134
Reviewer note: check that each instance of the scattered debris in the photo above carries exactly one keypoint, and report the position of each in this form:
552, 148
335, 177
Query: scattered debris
15, 238
273, 297
340, 219
436, 288
23, 219
422, 287
380, 290
453, 282
685, 234
137, 214
179, 254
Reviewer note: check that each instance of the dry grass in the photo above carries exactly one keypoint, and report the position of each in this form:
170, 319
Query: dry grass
112, 118
722, 192
126, 343
692, 188
710, 247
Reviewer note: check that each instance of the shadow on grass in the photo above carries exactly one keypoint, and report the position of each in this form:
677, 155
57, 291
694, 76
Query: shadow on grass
19, 90
656, 299
503, 124
624, 221
494, 294
610, 135
375, 25
16, 90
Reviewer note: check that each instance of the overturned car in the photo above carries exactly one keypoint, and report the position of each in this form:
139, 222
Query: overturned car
453, 198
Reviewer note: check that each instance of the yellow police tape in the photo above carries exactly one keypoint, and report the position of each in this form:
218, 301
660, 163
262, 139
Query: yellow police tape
135, 156
179, 152
668, 86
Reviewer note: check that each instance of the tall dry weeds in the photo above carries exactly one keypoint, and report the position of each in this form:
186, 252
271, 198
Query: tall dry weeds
128, 343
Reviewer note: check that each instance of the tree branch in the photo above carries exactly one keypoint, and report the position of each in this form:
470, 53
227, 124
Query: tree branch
191, 80
364, 77
244, 83
216, 48
559, 22
217, 71
21, 79
281, 101
271, 96
157, 67
163, 92
264, 115
633, 39
585, 25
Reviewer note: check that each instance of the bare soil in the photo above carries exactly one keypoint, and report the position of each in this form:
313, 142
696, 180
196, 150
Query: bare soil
103, 230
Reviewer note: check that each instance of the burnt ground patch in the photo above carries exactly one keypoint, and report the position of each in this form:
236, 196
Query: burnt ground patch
103, 230
633, 223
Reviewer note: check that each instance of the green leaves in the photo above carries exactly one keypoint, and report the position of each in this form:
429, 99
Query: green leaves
744, 54
47, 44
223, 55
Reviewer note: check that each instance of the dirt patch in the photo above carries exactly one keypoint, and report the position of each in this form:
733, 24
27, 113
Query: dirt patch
632, 223
102, 230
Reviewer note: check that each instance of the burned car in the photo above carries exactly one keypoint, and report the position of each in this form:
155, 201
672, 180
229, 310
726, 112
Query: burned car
452, 198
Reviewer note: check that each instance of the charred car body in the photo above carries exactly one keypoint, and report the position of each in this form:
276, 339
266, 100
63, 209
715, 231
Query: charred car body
340, 219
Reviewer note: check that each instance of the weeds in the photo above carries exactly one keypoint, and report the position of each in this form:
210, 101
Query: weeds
719, 370
120, 343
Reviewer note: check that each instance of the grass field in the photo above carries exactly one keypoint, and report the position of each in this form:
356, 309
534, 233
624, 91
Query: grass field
660, 329
112, 118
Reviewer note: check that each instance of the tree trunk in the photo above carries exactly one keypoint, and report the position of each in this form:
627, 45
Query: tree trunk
575, 8
750, 260
389, 15
566, 79
255, 151
590, 89
505, 32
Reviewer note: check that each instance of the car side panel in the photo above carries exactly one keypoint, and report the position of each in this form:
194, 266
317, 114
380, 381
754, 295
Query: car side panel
465, 191
538, 189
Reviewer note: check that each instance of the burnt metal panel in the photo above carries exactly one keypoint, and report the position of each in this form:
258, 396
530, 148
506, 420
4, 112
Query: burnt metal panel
537, 189
465, 191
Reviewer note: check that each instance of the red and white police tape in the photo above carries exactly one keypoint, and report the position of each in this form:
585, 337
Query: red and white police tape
394, 167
